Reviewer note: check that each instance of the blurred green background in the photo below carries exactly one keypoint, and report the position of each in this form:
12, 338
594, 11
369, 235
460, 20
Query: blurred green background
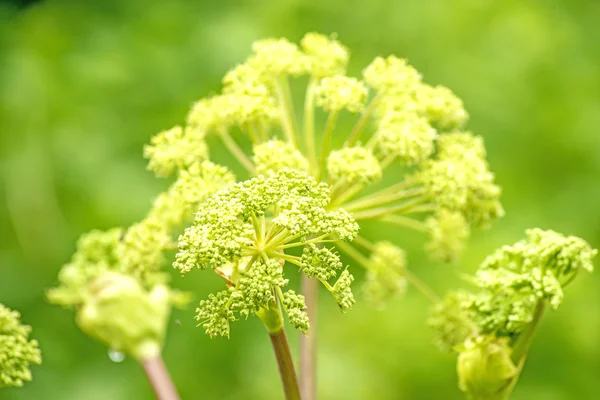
83, 85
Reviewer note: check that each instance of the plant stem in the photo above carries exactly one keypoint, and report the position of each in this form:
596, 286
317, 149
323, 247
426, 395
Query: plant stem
309, 125
360, 124
236, 150
406, 207
406, 222
285, 364
286, 108
159, 378
329, 127
308, 342
378, 200
523, 343
421, 286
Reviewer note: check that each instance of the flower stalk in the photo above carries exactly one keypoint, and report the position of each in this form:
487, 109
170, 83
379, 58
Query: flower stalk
308, 342
159, 378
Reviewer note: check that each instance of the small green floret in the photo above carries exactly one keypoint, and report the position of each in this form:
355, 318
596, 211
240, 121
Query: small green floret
385, 276
274, 155
17, 351
341, 93
354, 165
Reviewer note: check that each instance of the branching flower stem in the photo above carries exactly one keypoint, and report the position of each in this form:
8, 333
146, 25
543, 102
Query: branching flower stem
308, 342
522, 345
412, 206
381, 199
159, 378
309, 125
236, 151
362, 121
272, 318
327, 133
286, 106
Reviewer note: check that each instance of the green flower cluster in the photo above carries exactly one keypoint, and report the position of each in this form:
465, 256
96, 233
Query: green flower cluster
447, 187
515, 283
17, 351
243, 233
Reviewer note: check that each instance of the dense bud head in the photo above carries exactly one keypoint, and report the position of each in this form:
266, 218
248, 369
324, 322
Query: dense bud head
295, 307
451, 322
340, 92
142, 246
405, 135
448, 231
277, 57
385, 273
391, 75
442, 108
539, 266
516, 278
325, 56
96, 252
342, 292
352, 165
320, 262
174, 149
126, 317
223, 225
207, 114
460, 179
17, 351
193, 185
244, 77
274, 155
485, 369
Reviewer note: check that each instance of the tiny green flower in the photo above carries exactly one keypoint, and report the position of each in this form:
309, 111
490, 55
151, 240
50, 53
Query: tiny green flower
451, 321
354, 165
385, 276
325, 56
17, 351
449, 230
407, 136
391, 75
175, 148
340, 92
441, 107
274, 155
277, 57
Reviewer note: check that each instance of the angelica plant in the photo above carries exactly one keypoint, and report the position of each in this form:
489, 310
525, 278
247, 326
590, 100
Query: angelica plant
17, 351
114, 281
247, 234
491, 329
401, 123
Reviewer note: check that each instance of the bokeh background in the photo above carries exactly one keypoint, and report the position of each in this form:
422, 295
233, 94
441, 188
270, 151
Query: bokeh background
84, 84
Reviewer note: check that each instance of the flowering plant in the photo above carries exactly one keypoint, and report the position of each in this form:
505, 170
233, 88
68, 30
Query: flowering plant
309, 184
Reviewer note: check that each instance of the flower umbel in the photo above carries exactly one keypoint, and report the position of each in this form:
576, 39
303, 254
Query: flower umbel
492, 328
247, 233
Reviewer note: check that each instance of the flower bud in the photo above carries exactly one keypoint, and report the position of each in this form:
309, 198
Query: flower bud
125, 316
485, 369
